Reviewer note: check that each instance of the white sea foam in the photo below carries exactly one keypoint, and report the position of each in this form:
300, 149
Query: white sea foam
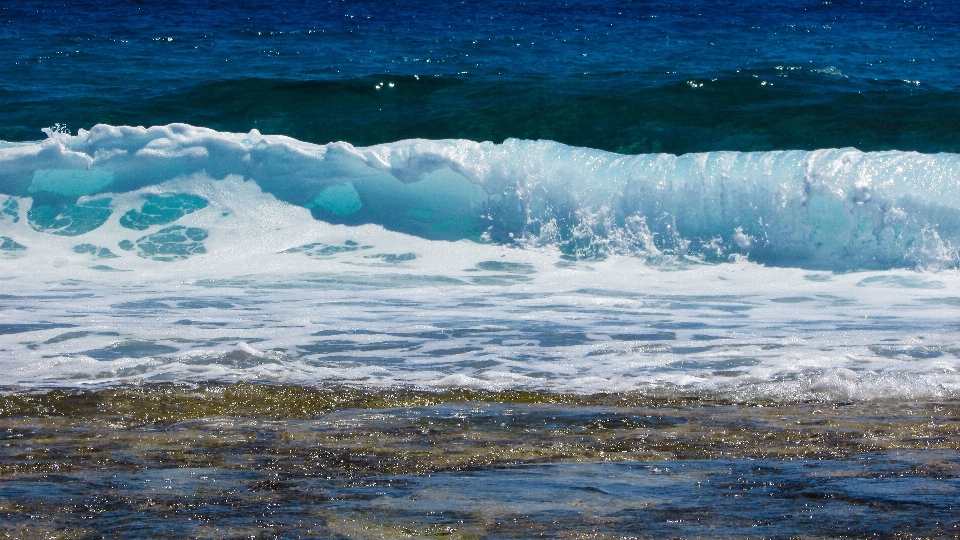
832, 209
206, 263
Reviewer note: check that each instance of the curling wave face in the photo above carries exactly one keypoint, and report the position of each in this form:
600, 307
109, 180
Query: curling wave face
833, 209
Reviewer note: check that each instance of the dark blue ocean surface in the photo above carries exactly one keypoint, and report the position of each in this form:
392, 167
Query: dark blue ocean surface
631, 77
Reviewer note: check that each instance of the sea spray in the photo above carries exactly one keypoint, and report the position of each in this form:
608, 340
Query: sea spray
836, 209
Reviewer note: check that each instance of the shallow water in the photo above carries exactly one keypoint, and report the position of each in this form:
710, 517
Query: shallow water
871, 497
226, 461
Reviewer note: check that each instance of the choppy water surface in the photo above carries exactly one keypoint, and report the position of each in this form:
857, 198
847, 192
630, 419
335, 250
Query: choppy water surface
249, 460
265, 461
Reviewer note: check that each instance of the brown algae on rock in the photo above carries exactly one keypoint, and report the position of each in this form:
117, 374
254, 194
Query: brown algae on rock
173, 450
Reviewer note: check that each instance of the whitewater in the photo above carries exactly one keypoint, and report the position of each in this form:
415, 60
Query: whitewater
179, 253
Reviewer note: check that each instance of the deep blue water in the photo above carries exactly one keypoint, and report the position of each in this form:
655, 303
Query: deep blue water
631, 77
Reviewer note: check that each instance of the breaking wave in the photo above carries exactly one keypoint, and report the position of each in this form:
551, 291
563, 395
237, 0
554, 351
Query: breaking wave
832, 209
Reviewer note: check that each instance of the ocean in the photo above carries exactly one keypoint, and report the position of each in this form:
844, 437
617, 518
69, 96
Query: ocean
480, 270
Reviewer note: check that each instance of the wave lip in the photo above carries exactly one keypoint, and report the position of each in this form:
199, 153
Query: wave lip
832, 209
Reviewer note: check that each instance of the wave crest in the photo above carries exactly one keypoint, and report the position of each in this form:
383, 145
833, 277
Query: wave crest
833, 209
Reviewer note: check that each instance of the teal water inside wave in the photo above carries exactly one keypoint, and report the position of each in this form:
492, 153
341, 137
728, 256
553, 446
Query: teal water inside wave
838, 209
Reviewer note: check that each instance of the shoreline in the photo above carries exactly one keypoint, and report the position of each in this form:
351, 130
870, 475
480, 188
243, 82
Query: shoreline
550, 427
274, 461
